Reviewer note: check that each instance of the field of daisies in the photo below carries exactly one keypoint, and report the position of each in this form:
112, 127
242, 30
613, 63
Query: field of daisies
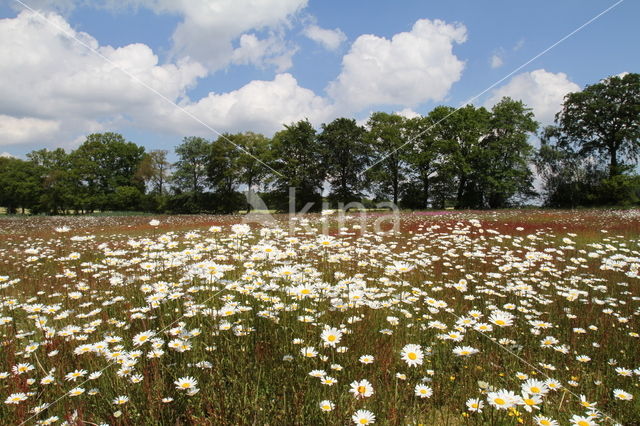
475, 318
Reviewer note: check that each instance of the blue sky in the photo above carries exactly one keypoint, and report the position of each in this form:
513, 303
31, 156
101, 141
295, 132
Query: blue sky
254, 65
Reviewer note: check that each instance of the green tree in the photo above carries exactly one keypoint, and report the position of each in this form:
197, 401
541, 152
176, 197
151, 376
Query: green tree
604, 119
297, 159
19, 184
104, 162
345, 154
60, 182
386, 138
154, 170
190, 174
506, 154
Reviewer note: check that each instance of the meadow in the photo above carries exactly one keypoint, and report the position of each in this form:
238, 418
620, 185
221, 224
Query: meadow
454, 318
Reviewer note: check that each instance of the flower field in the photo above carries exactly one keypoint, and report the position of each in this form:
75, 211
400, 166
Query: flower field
475, 318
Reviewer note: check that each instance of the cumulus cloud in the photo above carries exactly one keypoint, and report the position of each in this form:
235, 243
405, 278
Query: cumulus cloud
272, 50
329, 39
51, 82
411, 68
54, 91
541, 90
18, 130
209, 27
262, 106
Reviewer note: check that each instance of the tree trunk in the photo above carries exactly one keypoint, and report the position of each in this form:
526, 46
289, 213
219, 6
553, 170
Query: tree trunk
613, 163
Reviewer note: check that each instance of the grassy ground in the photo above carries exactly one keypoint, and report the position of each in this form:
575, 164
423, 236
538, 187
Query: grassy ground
498, 302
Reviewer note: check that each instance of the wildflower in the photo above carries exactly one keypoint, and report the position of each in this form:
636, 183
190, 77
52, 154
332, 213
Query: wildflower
120, 400
366, 359
141, 338
535, 387
412, 355
76, 392
582, 421
15, 398
327, 405
309, 352
423, 391
464, 350
620, 394
475, 405
186, 383
331, 336
363, 417
545, 421
502, 399
361, 389
529, 402
328, 380
74, 375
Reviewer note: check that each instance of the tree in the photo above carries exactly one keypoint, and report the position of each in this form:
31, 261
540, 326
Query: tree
386, 138
297, 159
154, 170
604, 119
191, 169
60, 182
19, 184
104, 162
345, 155
252, 159
507, 154
422, 156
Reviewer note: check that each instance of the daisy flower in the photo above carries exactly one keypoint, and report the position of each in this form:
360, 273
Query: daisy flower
186, 383
327, 405
141, 338
361, 389
412, 355
76, 392
545, 421
620, 394
309, 352
582, 421
366, 359
475, 405
423, 391
363, 417
465, 350
331, 336
119, 400
502, 399
15, 398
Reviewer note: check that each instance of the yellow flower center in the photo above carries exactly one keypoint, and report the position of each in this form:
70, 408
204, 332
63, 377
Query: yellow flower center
305, 291
499, 401
362, 389
412, 356
545, 422
500, 322
583, 423
529, 401
364, 421
331, 338
535, 389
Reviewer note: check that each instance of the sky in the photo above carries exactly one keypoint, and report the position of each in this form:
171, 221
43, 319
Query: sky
159, 70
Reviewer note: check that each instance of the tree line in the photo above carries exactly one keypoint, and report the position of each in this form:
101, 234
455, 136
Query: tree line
470, 157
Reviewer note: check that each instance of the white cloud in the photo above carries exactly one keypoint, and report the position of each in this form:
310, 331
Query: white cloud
262, 106
262, 52
209, 27
541, 90
407, 113
6, 155
54, 91
48, 79
329, 39
18, 130
496, 60
411, 68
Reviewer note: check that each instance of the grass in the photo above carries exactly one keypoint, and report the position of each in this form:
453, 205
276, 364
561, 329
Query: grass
223, 310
